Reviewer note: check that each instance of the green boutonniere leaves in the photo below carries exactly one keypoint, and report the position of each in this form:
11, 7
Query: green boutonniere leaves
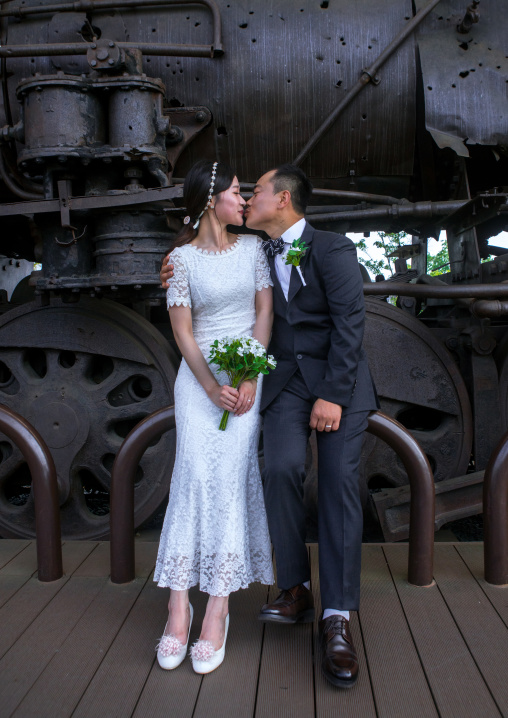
295, 254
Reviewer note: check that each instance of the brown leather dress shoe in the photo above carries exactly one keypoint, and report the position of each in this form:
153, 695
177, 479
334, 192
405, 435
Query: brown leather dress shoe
340, 662
296, 605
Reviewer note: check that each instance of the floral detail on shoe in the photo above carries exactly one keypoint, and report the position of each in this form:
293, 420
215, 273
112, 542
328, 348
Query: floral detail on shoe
202, 651
169, 646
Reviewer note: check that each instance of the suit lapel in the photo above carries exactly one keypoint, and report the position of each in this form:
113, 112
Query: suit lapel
295, 283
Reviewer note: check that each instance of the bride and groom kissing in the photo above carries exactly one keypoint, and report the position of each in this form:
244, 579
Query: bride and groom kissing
321, 382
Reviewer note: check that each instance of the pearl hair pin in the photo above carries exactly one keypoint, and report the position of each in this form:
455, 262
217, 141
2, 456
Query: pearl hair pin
209, 199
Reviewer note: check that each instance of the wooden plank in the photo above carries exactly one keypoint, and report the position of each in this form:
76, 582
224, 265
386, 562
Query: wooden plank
286, 677
398, 681
25, 661
10, 548
231, 689
457, 686
331, 701
173, 693
472, 555
32, 596
118, 682
9, 585
66, 677
483, 630
23, 563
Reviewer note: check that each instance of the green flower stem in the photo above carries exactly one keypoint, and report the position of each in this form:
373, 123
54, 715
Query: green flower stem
224, 421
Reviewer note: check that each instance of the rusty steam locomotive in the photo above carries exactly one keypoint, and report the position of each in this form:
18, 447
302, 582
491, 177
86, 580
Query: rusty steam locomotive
395, 108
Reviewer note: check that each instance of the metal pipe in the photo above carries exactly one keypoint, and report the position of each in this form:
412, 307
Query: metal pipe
11, 184
488, 308
90, 5
45, 491
368, 75
469, 18
423, 210
122, 490
421, 291
495, 515
422, 506
147, 48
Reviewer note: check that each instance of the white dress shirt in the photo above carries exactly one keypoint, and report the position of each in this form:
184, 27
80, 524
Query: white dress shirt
284, 270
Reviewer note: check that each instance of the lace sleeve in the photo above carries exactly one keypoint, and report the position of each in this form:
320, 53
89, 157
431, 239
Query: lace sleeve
179, 290
262, 268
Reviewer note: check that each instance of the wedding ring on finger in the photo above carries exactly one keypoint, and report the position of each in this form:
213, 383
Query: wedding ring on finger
328, 426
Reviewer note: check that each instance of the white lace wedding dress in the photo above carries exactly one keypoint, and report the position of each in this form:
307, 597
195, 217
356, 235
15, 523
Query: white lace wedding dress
215, 532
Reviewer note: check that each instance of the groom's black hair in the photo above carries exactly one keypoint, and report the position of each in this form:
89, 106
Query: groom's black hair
291, 178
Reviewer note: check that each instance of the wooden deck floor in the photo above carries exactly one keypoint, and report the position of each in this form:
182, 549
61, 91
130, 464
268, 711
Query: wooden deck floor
82, 646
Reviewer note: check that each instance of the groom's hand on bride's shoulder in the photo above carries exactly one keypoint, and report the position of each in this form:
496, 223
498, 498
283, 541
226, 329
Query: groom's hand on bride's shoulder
166, 272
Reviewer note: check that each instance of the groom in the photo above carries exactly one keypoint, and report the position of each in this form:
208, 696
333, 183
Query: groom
321, 382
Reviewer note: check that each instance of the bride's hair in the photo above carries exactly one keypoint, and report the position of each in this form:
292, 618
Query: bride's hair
196, 189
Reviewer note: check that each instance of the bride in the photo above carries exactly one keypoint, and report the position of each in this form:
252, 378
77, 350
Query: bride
215, 532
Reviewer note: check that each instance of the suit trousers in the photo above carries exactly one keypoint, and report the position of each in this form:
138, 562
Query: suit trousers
340, 518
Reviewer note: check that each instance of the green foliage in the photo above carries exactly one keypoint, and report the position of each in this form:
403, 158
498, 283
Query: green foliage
388, 242
439, 263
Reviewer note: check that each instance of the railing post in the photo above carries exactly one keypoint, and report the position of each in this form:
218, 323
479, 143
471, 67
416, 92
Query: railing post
422, 506
495, 515
122, 490
45, 490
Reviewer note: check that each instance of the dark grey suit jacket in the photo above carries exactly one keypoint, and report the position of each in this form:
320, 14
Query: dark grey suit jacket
320, 328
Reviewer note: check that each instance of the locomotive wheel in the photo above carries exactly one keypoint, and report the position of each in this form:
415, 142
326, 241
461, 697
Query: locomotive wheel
83, 375
420, 386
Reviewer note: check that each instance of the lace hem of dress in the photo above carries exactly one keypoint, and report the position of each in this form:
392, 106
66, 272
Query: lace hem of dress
263, 285
215, 576
178, 303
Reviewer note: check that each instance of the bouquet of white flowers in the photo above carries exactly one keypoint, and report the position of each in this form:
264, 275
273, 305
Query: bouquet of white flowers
240, 358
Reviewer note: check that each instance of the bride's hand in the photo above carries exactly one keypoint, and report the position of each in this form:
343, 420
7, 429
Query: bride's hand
225, 397
247, 395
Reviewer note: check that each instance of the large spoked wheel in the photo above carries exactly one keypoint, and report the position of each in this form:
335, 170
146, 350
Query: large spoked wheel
84, 374
420, 386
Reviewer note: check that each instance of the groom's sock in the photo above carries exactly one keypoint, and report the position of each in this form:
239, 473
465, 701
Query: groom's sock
335, 612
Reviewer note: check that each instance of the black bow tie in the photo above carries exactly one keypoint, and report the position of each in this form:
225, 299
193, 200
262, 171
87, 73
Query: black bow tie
273, 246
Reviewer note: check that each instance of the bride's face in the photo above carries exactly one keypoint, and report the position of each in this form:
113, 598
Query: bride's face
229, 205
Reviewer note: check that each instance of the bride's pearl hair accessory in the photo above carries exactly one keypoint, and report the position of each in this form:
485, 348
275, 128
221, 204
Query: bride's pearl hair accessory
210, 195
186, 220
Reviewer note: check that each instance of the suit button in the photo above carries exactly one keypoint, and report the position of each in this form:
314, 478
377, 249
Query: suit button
299, 356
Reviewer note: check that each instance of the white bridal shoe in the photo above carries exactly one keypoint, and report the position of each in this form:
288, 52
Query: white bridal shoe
204, 658
170, 652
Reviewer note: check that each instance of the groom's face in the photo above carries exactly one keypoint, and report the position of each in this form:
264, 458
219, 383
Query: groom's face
261, 208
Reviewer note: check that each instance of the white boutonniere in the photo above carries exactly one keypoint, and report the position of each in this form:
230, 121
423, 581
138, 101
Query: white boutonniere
295, 254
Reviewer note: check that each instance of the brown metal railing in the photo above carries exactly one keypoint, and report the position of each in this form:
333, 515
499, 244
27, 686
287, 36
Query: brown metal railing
421, 534
45, 491
495, 515
422, 505
122, 490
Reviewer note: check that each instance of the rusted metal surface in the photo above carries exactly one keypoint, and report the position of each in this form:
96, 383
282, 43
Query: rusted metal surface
122, 490
43, 472
495, 515
455, 499
368, 75
421, 523
464, 76
83, 374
